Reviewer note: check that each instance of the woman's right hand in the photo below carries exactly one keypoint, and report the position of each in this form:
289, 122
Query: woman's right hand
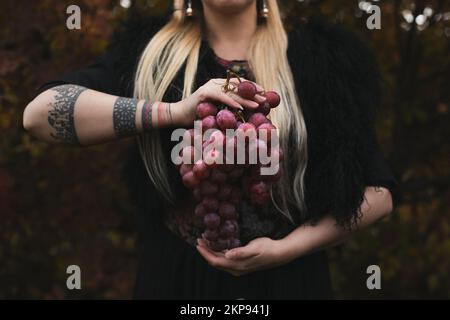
184, 111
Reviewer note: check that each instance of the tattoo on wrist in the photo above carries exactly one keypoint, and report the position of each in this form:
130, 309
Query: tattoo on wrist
147, 116
163, 114
61, 113
124, 117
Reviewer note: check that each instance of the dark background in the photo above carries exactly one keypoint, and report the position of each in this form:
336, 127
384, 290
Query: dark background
61, 206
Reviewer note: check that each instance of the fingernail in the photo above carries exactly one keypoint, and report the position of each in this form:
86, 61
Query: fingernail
241, 108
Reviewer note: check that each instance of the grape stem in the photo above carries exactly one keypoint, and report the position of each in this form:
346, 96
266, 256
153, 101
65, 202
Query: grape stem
241, 116
228, 86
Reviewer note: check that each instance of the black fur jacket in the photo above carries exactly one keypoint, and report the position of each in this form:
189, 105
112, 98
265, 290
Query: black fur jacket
339, 90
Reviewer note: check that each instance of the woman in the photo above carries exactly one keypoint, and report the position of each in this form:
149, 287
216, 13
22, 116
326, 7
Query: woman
334, 184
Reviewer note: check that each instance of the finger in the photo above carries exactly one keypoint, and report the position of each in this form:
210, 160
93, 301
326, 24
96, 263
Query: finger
216, 263
243, 102
203, 244
219, 81
224, 98
241, 253
214, 260
258, 87
260, 99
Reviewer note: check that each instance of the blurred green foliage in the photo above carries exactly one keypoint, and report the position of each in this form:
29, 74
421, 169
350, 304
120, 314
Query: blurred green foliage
61, 206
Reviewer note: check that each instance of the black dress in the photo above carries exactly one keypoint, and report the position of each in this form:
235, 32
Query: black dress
337, 85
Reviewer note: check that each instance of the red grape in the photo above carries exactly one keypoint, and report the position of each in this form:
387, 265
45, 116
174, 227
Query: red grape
211, 220
227, 168
190, 181
259, 193
209, 123
201, 170
208, 188
200, 210
205, 109
273, 98
211, 235
210, 203
227, 210
227, 229
257, 119
217, 139
188, 154
264, 108
247, 90
276, 154
236, 173
226, 119
219, 245
267, 129
197, 194
185, 168
235, 197
213, 157
224, 192
218, 176
247, 126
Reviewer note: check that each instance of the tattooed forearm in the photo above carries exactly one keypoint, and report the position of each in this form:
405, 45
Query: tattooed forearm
124, 117
61, 113
156, 115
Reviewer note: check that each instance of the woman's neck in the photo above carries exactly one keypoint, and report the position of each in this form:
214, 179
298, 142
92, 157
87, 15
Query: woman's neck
229, 35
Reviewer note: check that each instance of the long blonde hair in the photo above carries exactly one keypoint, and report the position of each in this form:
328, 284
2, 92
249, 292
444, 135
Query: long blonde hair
177, 43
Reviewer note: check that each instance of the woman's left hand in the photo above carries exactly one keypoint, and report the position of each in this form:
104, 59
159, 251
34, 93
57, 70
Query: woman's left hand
258, 254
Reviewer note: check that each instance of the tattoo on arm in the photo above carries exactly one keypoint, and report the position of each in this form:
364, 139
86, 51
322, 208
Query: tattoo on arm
147, 116
61, 113
163, 114
124, 117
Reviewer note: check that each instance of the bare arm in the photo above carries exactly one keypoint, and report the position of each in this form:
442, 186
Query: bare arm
306, 238
72, 114
263, 253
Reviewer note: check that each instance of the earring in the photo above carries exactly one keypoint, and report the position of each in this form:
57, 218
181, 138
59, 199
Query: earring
264, 13
189, 11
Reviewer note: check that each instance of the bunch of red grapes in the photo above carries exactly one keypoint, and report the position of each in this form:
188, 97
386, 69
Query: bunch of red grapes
219, 185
